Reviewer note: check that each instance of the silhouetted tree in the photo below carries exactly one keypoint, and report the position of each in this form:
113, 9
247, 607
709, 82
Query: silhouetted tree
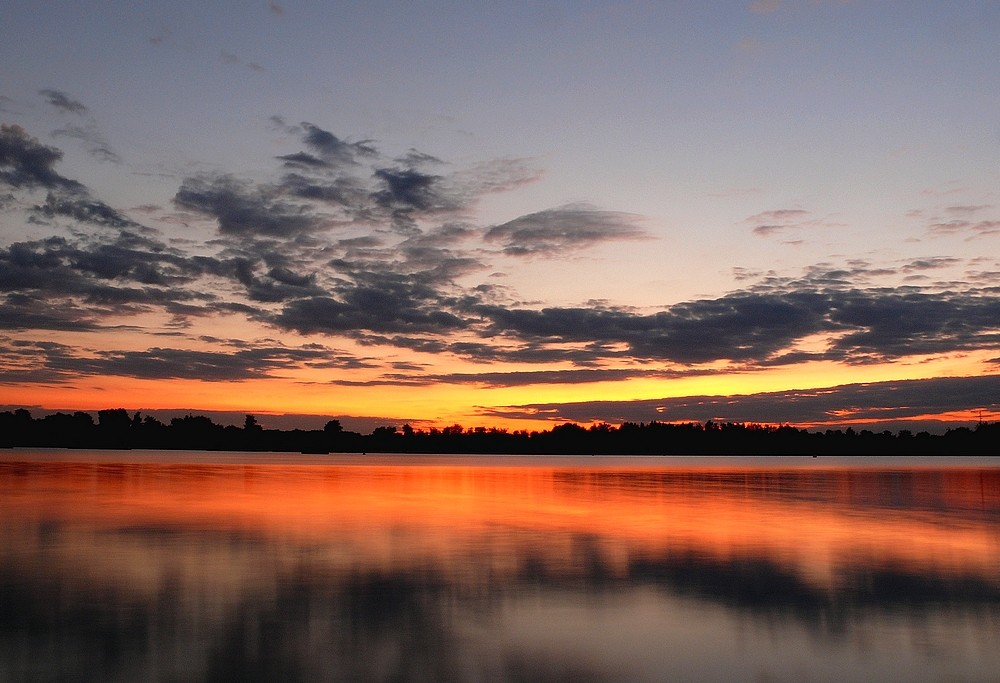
114, 425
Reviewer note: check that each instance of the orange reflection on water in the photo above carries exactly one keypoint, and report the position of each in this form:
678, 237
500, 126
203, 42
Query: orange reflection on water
482, 521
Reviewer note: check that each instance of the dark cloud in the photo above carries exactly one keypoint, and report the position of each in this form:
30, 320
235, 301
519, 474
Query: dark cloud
61, 284
520, 378
55, 264
393, 307
345, 193
932, 263
243, 209
405, 189
353, 184
25, 162
567, 228
32, 312
874, 402
278, 284
50, 362
740, 327
304, 160
898, 324
759, 327
63, 102
332, 149
81, 206
287, 277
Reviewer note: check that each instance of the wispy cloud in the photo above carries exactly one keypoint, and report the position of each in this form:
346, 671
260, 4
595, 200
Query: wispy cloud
567, 228
63, 102
780, 221
236, 60
27, 361
87, 131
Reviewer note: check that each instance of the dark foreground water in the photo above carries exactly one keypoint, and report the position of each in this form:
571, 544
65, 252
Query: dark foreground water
114, 566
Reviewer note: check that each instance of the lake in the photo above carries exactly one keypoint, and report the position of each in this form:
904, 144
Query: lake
145, 565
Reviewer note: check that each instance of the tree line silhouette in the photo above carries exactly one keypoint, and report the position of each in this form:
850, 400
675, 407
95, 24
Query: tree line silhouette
117, 429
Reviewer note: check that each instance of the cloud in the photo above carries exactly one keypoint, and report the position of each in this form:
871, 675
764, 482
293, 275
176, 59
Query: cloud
20, 311
769, 223
243, 209
973, 221
230, 58
61, 284
965, 210
87, 131
80, 206
971, 228
63, 102
303, 160
395, 307
405, 189
97, 145
362, 186
521, 378
313, 252
760, 327
22, 361
932, 263
333, 149
25, 162
873, 402
278, 284
491, 177
739, 327
566, 228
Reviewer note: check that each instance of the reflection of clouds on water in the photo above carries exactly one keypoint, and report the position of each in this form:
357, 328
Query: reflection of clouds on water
290, 619
99, 574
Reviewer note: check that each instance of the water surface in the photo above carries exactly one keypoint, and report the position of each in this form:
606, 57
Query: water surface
167, 566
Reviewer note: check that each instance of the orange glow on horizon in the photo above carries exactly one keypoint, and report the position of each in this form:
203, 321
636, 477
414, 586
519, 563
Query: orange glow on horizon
309, 392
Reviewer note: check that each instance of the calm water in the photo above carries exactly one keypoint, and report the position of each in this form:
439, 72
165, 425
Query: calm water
127, 566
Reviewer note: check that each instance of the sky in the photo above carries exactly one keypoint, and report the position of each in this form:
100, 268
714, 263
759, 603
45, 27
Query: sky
503, 214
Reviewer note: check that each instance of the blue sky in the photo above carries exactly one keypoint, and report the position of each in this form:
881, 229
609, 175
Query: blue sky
620, 159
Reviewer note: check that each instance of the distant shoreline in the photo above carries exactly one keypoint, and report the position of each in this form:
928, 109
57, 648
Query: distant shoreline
116, 429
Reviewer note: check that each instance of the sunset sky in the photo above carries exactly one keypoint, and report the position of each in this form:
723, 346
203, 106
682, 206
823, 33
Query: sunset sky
507, 214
